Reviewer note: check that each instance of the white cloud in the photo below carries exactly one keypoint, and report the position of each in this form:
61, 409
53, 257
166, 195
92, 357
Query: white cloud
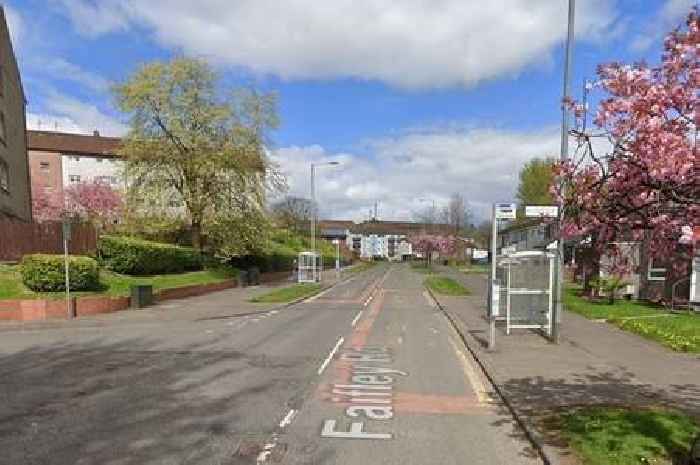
15, 24
410, 44
60, 69
71, 115
670, 15
480, 163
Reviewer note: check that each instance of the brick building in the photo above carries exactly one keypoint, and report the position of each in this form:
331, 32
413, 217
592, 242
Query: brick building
15, 194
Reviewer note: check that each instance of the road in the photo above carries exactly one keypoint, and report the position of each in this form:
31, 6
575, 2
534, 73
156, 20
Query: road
368, 372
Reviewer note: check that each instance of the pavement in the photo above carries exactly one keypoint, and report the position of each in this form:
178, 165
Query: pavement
370, 371
594, 364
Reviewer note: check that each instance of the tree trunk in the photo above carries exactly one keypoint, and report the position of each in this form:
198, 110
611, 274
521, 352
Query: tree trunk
197, 234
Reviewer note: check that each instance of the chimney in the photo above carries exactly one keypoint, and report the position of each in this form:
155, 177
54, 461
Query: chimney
96, 133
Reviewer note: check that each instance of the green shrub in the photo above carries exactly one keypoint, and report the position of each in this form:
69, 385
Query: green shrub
132, 256
46, 273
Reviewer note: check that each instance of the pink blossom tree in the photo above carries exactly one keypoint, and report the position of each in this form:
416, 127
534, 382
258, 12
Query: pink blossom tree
429, 243
45, 207
96, 202
647, 187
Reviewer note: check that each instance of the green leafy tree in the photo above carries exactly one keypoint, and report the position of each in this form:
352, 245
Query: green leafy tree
201, 147
536, 178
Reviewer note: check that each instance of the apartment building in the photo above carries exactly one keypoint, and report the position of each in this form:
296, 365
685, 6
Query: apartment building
57, 160
15, 194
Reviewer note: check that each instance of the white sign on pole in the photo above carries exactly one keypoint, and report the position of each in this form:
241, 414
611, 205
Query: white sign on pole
478, 254
544, 211
505, 211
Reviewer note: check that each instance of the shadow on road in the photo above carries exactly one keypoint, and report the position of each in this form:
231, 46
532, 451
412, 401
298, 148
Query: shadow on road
129, 402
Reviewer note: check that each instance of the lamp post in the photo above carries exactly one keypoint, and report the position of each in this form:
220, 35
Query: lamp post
556, 318
313, 200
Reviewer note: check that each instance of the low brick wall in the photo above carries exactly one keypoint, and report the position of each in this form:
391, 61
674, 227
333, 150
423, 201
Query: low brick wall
194, 290
49, 309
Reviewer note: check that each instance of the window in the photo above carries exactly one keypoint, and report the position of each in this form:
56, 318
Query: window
74, 178
4, 177
657, 272
44, 165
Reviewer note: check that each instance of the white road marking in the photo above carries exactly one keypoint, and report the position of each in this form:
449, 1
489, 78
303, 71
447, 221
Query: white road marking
354, 321
331, 355
274, 312
471, 375
287, 420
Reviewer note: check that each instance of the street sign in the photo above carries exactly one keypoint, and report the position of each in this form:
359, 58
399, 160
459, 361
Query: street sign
505, 211
541, 211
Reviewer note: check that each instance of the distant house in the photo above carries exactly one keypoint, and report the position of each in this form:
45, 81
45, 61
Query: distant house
15, 194
58, 160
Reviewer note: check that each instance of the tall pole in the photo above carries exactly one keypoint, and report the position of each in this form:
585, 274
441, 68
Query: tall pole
558, 308
492, 309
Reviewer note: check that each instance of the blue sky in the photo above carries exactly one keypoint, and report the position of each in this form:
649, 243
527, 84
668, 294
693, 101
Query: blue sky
418, 99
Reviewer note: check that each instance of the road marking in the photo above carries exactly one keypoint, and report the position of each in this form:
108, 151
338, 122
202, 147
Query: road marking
331, 355
287, 420
472, 377
354, 321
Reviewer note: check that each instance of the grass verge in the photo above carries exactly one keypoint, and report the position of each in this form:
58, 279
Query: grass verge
625, 436
112, 284
475, 269
445, 286
678, 332
289, 293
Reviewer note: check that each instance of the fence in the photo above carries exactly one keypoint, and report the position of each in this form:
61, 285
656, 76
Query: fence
19, 239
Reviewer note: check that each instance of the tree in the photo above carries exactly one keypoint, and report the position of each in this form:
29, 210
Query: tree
429, 243
535, 181
45, 207
200, 147
458, 213
95, 202
645, 188
293, 213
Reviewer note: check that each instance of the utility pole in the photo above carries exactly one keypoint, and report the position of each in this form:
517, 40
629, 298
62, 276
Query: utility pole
313, 209
558, 308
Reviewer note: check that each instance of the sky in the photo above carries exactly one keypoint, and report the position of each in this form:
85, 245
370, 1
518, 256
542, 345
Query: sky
417, 99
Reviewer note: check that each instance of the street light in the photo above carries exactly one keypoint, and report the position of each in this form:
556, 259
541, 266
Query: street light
313, 200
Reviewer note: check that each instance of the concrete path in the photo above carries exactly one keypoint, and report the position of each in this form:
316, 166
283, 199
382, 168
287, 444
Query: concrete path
595, 363
210, 383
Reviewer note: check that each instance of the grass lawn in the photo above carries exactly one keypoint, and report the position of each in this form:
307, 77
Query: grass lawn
11, 286
475, 269
289, 293
619, 436
446, 286
678, 332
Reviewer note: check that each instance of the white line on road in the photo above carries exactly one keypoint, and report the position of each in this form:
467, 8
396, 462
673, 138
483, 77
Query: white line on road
331, 355
354, 322
287, 420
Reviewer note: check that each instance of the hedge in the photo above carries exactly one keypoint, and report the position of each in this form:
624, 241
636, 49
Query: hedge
46, 273
132, 256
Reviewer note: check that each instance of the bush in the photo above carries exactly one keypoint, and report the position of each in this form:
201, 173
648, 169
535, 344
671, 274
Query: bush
46, 273
132, 256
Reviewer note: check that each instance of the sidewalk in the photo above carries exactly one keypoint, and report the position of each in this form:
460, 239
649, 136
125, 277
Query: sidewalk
217, 305
595, 363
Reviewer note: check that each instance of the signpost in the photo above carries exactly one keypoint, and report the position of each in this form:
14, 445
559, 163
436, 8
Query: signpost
336, 242
66, 239
501, 211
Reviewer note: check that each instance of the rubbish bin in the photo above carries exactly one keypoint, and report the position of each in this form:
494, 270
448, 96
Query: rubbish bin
243, 278
141, 295
254, 276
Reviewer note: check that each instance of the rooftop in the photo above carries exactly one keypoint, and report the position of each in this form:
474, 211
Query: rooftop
68, 143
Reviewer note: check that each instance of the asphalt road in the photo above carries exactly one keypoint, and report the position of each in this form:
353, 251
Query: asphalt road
368, 372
